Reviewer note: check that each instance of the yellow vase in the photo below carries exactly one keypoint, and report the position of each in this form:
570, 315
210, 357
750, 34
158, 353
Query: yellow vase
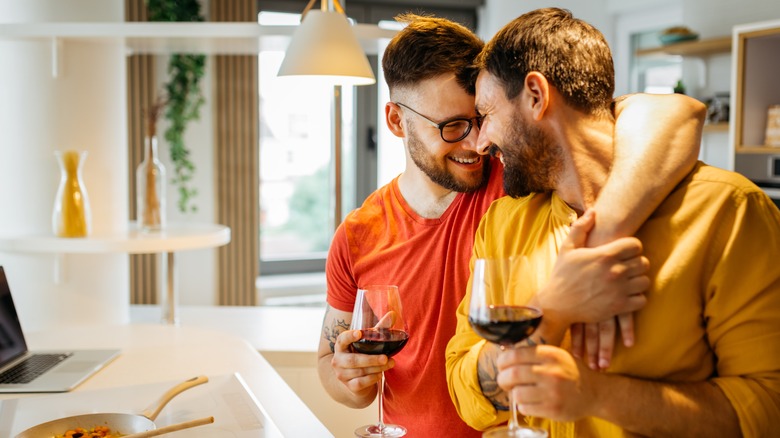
71, 216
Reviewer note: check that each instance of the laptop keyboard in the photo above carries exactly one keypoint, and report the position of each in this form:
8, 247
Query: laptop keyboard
32, 367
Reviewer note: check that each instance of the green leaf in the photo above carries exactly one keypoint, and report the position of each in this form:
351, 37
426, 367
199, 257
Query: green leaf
185, 97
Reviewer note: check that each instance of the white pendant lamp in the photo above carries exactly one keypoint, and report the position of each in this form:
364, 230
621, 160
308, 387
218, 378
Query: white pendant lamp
325, 48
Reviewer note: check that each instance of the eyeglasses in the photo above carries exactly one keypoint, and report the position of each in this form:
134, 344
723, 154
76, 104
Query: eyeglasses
451, 130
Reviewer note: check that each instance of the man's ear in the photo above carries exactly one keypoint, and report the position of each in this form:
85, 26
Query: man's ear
538, 91
394, 120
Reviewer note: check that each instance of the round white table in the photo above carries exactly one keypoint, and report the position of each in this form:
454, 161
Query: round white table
175, 237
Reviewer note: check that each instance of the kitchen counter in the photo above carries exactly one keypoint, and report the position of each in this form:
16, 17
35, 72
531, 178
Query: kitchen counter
268, 329
154, 353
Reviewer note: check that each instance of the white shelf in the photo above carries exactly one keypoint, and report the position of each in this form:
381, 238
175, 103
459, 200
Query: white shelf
164, 38
176, 237
706, 47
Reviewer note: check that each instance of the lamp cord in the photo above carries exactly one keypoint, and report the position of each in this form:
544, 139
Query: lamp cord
323, 4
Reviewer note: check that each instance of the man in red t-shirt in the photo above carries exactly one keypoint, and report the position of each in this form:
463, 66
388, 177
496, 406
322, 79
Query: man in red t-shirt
417, 231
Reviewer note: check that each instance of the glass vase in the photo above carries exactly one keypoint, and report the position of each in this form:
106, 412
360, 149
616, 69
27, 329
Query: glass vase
71, 216
150, 189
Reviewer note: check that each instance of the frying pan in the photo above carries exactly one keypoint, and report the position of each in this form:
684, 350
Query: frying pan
117, 422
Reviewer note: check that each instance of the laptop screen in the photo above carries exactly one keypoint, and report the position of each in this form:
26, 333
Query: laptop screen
12, 342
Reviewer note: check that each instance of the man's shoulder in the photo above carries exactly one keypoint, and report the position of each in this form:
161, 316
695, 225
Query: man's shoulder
377, 204
718, 179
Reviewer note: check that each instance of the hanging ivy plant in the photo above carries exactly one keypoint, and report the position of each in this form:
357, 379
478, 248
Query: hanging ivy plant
184, 96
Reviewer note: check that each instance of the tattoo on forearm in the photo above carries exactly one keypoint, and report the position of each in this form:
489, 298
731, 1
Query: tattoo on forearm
487, 373
331, 333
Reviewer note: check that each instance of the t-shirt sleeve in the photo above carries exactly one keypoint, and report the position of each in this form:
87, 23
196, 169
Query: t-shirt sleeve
462, 356
338, 273
742, 314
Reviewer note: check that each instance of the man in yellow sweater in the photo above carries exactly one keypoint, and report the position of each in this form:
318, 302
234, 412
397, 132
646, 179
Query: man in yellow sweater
706, 361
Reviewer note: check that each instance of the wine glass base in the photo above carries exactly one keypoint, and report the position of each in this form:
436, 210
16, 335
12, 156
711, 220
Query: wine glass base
518, 432
375, 431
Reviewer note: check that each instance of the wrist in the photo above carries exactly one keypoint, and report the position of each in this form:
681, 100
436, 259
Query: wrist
554, 322
551, 331
599, 390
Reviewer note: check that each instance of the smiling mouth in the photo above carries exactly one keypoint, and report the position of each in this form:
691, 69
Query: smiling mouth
466, 160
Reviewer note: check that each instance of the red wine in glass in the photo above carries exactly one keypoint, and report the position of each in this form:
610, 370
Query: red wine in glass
379, 317
500, 290
381, 341
506, 325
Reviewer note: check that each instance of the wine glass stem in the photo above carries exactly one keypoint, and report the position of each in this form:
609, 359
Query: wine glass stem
381, 389
513, 422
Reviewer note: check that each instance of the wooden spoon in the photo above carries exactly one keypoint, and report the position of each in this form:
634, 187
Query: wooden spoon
172, 428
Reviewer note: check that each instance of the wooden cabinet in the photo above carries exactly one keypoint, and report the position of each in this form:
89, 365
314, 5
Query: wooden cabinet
756, 85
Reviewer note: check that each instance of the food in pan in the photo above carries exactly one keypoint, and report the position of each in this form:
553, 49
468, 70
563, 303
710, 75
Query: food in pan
95, 432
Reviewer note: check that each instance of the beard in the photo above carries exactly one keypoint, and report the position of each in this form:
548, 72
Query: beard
532, 161
438, 172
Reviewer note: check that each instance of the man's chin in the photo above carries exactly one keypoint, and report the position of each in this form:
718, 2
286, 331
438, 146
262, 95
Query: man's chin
471, 186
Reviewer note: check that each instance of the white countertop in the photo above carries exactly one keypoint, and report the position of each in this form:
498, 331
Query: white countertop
155, 353
224, 398
268, 329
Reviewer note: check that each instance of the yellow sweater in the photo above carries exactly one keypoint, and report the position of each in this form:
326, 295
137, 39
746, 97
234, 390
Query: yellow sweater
713, 310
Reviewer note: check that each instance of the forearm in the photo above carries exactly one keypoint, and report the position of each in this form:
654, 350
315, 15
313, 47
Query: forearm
337, 390
472, 403
657, 141
487, 372
664, 409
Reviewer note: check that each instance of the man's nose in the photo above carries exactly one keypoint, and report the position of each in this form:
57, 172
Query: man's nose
482, 144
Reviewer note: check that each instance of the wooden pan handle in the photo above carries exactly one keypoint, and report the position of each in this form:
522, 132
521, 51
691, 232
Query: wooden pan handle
152, 411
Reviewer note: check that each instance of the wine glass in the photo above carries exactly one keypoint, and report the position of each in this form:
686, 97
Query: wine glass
378, 316
500, 290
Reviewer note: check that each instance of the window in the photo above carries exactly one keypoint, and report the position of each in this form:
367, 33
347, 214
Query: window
296, 131
296, 183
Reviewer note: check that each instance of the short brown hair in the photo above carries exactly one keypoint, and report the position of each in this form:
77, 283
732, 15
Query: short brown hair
572, 55
430, 46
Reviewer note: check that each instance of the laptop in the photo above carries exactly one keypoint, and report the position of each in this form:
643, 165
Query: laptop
22, 370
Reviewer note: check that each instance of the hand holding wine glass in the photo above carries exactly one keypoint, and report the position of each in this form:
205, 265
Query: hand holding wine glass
378, 316
500, 290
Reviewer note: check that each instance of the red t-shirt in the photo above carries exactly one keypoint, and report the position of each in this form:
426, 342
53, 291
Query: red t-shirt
386, 242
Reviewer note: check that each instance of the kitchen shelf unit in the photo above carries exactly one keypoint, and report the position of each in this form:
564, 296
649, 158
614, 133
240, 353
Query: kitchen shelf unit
756, 63
163, 38
702, 51
698, 48
716, 127
174, 238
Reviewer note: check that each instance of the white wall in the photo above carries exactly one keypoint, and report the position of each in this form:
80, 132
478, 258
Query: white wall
82, 108
496, 13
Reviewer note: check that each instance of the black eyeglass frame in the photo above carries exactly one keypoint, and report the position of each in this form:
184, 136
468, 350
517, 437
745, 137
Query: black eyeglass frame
442, 125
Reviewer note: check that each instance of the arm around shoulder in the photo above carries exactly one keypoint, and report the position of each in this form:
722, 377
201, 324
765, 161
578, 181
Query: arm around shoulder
657, 142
